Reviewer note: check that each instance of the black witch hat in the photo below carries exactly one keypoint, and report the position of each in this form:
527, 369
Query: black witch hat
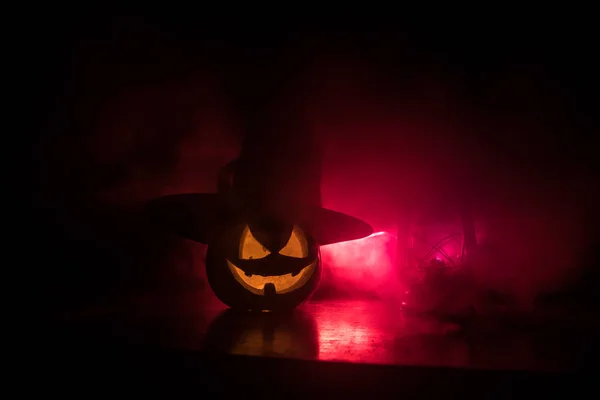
277, 175
272, 177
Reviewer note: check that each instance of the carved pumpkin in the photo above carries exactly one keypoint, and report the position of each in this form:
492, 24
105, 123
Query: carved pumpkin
258, 266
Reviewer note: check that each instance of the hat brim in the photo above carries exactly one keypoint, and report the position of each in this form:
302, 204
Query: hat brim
195, 215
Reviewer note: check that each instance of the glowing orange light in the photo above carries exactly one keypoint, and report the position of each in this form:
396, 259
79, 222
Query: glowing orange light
252, 249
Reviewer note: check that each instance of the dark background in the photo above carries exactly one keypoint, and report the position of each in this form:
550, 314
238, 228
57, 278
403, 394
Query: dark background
122, 108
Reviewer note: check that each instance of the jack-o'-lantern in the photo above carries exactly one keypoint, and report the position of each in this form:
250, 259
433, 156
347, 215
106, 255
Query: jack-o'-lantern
255, 262
263, 266
265, 224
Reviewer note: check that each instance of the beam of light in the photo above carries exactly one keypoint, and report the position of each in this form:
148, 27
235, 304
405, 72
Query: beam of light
365, 264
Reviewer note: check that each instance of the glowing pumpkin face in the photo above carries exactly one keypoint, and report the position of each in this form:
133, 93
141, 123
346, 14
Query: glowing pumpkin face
263, 266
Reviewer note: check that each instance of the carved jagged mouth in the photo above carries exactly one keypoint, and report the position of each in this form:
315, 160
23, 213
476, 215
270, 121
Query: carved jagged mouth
282, 283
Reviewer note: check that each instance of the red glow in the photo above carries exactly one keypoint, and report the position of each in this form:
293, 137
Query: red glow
351, 332
364, 264
373, 332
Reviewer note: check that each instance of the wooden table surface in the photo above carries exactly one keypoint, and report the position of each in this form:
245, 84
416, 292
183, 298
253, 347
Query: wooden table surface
348, 330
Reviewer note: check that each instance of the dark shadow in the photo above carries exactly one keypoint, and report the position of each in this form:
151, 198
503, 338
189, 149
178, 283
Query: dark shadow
106, 252
584, 292
270, 334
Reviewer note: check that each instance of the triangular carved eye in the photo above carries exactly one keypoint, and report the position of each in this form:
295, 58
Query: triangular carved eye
250, 248
296, 246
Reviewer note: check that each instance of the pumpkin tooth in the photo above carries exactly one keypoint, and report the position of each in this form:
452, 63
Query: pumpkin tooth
249, 275
269, 289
